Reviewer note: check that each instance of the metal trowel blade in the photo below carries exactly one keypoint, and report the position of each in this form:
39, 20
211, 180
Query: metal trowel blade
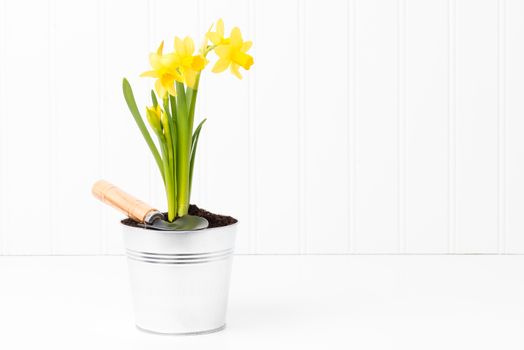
184, 223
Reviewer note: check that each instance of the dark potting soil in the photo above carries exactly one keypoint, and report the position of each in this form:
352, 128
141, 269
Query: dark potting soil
215, 220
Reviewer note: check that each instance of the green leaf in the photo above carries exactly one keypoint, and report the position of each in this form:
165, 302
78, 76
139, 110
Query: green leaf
166, 107
131, 104
183, 150
189, 94
172, 100
173, 169
153, 98
169, 105
194, 144
171, 199
182, 111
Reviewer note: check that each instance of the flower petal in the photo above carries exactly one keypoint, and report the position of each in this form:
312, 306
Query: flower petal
214, 37
246, 46
221, 65
179, 47
190, 76
168, 61
234, 69
149, 74
172, 91
160, 90
160, 48
236, 37
223, 51
203, 46
189, 45
155, 61
220, 27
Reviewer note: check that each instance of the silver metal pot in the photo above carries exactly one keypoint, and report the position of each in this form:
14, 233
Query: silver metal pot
180, 279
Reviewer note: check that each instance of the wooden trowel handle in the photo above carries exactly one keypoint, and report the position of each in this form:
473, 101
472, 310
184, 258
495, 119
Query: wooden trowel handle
115, 197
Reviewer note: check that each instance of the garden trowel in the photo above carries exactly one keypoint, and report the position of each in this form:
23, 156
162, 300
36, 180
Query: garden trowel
145, 215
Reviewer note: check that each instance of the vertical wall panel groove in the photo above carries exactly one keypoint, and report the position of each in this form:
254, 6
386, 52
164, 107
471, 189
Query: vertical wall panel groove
350, 142
26, 160
100, 103
324, 111
425, 129
252, 173
376, 128
476, 126
514, 124
200, 10
276, 121
52, 120
451, 127
151, 32
201, 182
3, 132
151, 41
154, 7
352, 118
126, 159
401, 122
77, 138
501, 239
301, 126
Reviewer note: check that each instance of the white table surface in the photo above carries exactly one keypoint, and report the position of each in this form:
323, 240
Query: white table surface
278, 302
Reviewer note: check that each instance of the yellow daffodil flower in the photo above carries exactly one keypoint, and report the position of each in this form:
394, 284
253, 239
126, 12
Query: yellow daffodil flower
154, 116
164, 71
233, 54
188, 64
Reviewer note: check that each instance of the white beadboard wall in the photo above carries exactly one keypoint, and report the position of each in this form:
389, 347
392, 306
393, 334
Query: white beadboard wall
366, 126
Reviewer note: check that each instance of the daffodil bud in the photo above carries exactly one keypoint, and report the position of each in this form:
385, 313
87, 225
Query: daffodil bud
164, 121
153, 117
167, 129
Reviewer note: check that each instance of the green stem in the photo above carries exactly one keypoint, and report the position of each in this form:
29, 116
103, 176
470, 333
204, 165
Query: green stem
170, 194
192, 92
168, 168
174, 128
209, 49
153, 98
183, 150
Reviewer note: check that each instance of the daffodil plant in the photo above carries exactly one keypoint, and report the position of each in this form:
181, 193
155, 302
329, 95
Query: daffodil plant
171, 114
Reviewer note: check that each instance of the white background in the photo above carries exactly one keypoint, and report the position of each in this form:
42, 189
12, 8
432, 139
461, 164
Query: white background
374, 126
